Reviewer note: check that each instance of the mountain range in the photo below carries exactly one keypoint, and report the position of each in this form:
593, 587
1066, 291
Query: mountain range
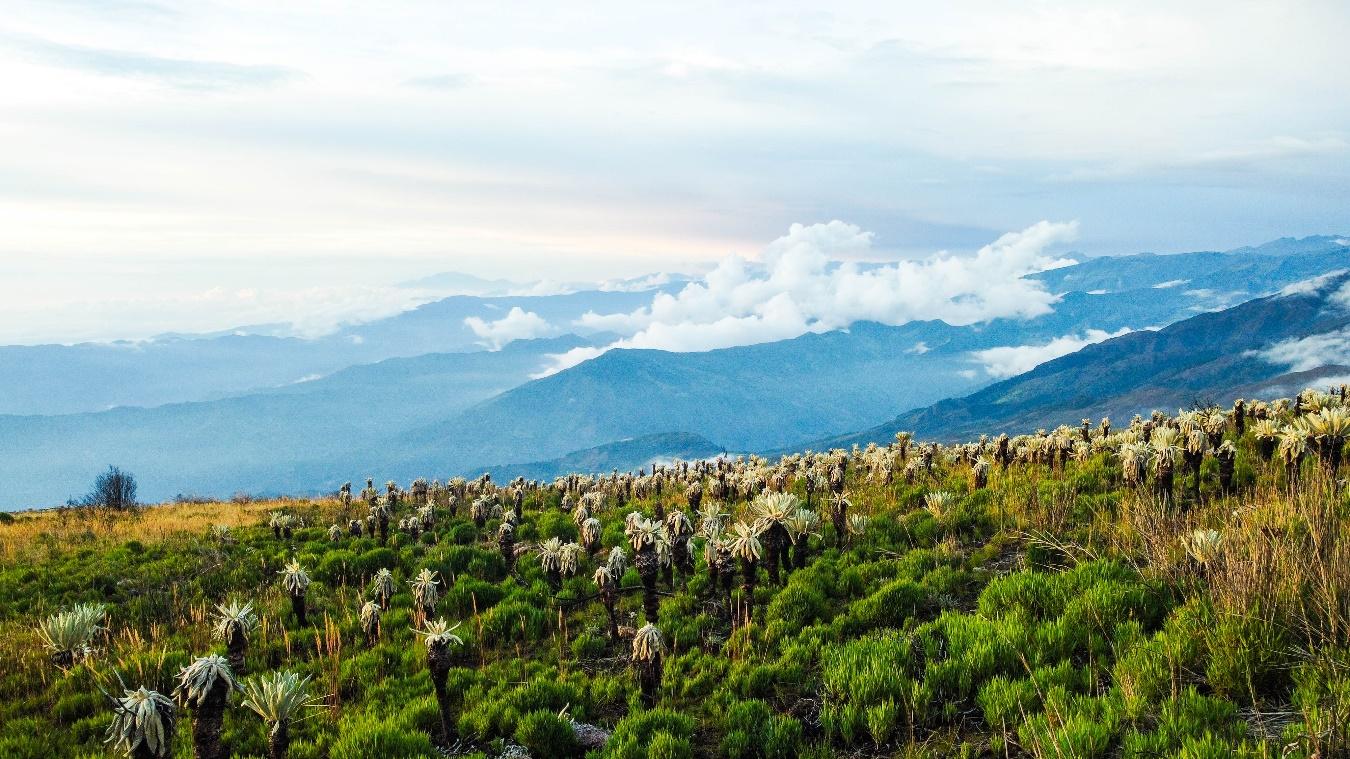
439, 405
65, 379
1267, 347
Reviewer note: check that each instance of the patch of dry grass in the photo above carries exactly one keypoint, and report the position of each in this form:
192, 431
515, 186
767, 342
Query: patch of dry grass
34, 534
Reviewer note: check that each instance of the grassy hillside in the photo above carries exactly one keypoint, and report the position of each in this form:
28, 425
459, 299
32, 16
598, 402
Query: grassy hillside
1170, 587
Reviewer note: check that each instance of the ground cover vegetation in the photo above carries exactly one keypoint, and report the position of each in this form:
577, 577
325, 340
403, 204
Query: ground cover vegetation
1169, 586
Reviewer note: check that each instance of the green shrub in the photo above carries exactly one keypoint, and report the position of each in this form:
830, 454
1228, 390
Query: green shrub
868, 673
368, 563
752, 731
1031, 593
1006, 702
544, 733
488, 565
469, 594
1078, 736
76, 706
337, 567
796, 606
695, 674
890, 606
1142, 674
1247, 656
361, 736
514, 620
464, 534
1322, 696
652, 734
667, 746
556, 524
588, 646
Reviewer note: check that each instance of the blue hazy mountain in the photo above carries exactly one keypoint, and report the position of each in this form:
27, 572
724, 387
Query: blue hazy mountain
623, 455
60, 379
1213, 357
459, 283
256, 442
1243, 271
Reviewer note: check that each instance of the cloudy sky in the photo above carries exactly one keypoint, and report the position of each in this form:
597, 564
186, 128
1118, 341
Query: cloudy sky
194, 165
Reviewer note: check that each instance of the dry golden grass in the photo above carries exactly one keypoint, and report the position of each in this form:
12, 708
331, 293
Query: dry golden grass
1282, 555
40, 533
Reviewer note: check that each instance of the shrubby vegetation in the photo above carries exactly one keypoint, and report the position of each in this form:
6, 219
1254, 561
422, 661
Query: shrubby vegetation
1178, 586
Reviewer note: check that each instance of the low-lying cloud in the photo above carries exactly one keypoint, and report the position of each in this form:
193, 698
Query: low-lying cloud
1011, 361
1306, 353
803, 284
1315, 285
518, 324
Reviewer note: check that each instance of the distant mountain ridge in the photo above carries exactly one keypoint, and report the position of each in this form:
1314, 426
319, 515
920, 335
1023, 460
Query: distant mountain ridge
260, 442
624, 455
1213, 356
63, 379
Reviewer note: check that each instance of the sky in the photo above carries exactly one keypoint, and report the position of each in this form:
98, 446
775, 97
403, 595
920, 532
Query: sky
191, 166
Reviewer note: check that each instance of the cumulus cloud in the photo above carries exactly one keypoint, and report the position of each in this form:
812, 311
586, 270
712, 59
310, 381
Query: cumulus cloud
801, 284
518, 324
1305, 353
1010, 361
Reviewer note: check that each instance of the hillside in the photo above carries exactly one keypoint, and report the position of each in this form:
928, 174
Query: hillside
947, 603
1213, 357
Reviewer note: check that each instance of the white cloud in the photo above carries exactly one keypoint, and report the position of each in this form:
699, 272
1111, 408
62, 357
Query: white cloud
1170, 283
636, 284
1013, 360
1305, 353
1342, 296
919, 348
1312, 284
801, 286
518, 324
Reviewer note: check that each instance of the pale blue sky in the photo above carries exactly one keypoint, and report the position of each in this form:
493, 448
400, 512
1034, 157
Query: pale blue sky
230, 161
